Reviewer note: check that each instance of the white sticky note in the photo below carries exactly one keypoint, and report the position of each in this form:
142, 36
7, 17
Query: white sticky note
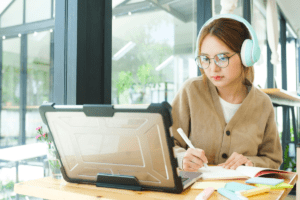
204, 184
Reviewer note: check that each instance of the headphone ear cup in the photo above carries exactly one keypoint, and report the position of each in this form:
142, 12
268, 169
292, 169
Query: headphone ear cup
246, 53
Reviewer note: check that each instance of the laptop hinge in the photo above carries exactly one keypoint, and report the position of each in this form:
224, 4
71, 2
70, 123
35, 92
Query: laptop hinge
118, 181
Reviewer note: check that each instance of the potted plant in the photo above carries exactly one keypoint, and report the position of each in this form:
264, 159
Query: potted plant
54, 163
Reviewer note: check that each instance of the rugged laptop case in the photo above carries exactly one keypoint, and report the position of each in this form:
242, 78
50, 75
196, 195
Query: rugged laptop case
115, 146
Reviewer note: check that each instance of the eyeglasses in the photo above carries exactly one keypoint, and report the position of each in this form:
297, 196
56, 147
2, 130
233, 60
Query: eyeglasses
221, 60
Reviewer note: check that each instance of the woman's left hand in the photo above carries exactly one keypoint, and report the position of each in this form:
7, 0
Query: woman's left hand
236, 160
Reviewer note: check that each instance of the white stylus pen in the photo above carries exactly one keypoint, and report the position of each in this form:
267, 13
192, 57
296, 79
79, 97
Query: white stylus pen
187, 141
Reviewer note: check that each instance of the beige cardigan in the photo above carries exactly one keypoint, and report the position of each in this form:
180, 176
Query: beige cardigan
252, 131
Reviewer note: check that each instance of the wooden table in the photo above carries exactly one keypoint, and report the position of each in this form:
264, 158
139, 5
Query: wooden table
282, 97
49, 188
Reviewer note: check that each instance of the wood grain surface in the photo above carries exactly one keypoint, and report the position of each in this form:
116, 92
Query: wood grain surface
49, 188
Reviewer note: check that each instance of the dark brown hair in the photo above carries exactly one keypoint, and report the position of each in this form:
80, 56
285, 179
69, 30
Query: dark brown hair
232, 33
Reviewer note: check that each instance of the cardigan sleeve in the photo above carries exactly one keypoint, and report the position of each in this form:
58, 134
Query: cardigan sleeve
181, 119
270, 150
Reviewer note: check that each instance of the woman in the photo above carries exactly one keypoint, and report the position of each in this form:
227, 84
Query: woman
228, 120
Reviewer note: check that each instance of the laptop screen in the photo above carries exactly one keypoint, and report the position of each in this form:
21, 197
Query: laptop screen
127, 143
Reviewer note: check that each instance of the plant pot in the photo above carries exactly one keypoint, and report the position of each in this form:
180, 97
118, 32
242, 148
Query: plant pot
54, 163
124, 97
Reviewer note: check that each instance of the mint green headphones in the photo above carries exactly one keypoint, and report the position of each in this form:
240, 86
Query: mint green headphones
250, 51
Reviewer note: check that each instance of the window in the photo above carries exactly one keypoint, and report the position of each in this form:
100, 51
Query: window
38, 80
20, 44
10, 112
259, 26
37, 10
13, 15
4, 4
277, 68
152, 50
217, 7
291, 61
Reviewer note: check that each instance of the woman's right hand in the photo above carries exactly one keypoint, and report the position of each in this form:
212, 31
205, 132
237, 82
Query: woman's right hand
193, 159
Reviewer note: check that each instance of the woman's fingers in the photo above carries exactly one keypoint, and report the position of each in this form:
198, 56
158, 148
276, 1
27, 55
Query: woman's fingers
189, 165
231, 160
236, 160
238, 163
193, 159
249, 163
199, 153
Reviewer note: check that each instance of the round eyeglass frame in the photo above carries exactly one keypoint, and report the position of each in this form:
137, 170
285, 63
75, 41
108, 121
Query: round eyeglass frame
199, 65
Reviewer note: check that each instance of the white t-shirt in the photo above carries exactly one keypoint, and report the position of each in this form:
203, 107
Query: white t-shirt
229, 109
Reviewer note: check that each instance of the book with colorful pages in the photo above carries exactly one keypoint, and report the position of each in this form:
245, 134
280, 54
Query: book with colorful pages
261, 173
242, 172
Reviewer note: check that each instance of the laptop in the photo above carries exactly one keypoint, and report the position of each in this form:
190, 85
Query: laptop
116, 146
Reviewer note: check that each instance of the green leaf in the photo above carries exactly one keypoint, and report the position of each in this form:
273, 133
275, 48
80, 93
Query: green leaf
143, 74
54, 164
9, 185
124, 82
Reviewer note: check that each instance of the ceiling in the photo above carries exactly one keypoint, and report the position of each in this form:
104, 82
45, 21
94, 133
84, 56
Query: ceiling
182, 9
178, 8
291, 11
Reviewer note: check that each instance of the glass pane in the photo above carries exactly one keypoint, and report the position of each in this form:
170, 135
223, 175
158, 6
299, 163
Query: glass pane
53, 8
38, 80
13, 15
217, 7
279, 122
278, 84
291, 65
152, 50
37, 10
4, 4
10, 92
278, 79
259, 26
291, 72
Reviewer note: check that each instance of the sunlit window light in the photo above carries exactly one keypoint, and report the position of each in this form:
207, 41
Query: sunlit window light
123, 50
35, 33
164, 64
114, 17
3, 37
19, 35
51, 30
129, 13
115, 3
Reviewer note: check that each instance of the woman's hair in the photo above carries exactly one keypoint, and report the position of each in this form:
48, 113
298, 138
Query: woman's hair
232, 33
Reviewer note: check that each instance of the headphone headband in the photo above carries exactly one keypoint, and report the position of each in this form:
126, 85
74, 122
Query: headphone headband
255, 50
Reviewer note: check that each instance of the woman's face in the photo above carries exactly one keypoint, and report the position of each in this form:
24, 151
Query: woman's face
221, 77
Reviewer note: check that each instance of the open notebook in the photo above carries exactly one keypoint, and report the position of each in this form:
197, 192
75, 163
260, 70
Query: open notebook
242, 172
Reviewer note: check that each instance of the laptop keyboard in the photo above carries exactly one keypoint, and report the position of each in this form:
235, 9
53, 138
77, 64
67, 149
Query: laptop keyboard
183, 179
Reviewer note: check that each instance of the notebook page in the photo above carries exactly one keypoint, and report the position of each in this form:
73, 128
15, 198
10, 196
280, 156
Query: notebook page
218, 172
250, 171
